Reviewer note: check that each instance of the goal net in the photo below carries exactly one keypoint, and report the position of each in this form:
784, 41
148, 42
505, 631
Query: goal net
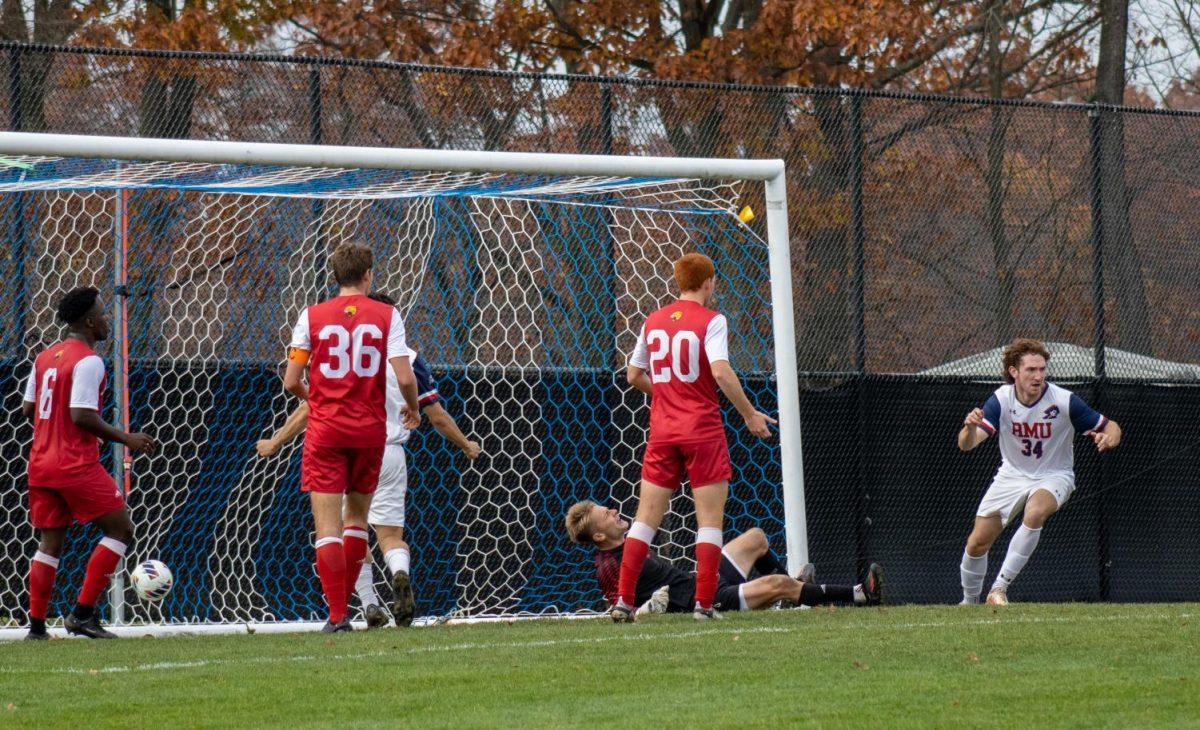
522, 289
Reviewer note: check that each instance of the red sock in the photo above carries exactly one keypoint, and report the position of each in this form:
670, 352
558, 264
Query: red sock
633, 557
708, 561
331, 567
41, 583
100, 568
354, 546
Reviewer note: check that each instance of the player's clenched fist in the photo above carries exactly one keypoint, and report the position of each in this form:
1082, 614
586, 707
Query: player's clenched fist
1104, 441
472, 450
974, 418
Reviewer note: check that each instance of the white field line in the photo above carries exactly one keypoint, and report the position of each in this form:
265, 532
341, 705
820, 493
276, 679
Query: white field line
535, 644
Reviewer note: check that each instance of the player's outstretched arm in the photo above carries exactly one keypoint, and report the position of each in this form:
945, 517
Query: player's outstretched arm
972, 432
1107, 438
638, 378
445, 425
90, 421
291, 428
731, 386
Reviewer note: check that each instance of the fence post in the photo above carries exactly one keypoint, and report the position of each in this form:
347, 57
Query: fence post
606, 120
315, 137
1096, 146
859, 236
858, 274
14, 89
314, 104
20, 251
1097, 186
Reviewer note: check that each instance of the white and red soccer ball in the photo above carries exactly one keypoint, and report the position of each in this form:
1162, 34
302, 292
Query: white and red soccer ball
152, 580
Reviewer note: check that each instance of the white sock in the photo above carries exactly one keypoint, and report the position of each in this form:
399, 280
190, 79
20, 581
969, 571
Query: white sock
364, 585
973, 571
1022, 545
397, 560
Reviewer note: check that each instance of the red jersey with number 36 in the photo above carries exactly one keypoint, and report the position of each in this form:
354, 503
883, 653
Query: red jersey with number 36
676, 347
349, 340
66, 375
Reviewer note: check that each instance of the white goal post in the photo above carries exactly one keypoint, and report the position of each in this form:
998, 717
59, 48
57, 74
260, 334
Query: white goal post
771, 173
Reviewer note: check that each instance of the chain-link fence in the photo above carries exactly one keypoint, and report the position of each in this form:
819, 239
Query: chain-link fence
926, 232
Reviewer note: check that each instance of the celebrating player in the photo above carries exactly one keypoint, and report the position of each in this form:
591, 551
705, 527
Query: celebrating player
681, 358
66, 482
750, 576
342, 343
387, 505
1037, 422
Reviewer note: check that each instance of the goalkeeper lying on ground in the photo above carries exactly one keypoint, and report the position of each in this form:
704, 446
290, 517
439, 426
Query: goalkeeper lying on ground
750, 576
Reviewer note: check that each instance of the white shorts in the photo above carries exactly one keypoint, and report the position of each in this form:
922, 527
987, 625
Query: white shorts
1007, 494
387, 505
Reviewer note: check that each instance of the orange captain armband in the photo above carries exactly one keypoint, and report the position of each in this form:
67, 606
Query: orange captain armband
297, 355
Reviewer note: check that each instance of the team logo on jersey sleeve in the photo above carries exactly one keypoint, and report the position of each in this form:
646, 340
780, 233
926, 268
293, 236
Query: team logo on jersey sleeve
350, 310
676, 315
1051, 412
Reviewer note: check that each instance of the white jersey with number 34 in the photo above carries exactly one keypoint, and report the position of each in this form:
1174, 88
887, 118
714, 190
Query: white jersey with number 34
1038, 440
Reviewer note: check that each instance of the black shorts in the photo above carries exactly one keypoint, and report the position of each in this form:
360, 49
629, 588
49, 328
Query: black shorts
729, 581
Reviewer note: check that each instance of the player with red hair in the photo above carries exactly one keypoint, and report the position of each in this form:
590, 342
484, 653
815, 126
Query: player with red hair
680, 360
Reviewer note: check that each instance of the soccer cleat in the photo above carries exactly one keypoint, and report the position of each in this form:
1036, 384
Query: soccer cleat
89, 627
706, 614
998, 597
375, 616
621, 614
969, 601
872, 585
402, 599
36, 636
342, 627
657, 603
807, 574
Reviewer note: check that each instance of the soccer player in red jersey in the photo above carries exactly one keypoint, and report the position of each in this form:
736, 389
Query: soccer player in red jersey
63, 398
343, 343
681, 359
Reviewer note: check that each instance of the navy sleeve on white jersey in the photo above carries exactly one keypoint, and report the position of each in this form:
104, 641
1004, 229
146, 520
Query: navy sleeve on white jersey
991, 414
427, 392
1085, 418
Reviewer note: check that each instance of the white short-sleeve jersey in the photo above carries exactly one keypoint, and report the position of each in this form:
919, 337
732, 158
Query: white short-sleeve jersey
1038, 440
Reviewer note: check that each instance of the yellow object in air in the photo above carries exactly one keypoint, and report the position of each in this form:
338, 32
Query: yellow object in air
746, 214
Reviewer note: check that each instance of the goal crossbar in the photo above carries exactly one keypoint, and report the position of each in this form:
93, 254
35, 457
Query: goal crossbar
304, 155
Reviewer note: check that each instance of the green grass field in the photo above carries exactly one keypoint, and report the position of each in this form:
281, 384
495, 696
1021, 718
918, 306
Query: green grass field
1023, 666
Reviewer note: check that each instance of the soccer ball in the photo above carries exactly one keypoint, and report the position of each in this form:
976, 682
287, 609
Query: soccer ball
152, 580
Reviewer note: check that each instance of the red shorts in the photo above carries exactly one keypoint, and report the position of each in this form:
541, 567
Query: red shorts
706, 463
338, 470
94, 496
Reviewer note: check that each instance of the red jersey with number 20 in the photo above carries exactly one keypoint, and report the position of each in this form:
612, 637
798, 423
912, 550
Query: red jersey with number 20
349, 340
65, 376
676, 347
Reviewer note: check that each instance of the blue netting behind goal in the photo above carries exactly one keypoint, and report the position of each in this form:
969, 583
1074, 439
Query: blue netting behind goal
523, 293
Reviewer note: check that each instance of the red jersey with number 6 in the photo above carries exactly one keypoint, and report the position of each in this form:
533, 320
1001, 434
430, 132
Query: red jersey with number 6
348, 341
66, 375
676, 347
